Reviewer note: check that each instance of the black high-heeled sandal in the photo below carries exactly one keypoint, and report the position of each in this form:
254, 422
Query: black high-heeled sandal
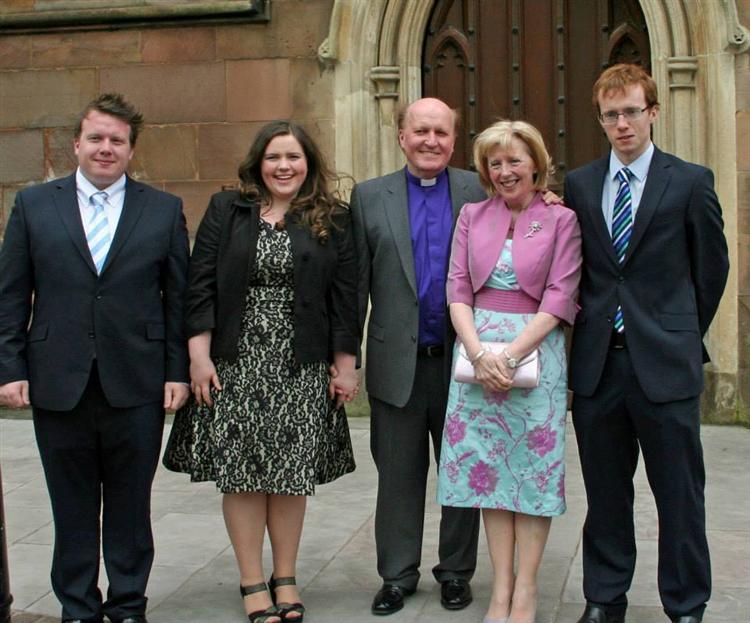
261, 616
286, 608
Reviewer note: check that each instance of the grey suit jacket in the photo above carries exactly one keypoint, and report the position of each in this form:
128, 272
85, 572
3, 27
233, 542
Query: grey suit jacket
382, 237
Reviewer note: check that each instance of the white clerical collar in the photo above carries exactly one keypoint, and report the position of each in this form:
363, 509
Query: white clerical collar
425, 182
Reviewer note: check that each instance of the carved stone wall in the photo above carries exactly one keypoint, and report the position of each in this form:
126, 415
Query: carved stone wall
742, 82
204, 90
700, 63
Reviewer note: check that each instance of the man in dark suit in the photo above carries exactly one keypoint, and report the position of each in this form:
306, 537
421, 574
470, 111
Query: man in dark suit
655, 266
403, 224
98, 262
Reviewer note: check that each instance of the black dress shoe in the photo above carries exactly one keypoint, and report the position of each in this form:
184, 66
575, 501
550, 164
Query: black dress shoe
595, 614
455, 594
688, 619
389, 599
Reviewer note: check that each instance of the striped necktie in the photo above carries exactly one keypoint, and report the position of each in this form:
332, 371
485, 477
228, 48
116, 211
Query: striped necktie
622, 227
98, 237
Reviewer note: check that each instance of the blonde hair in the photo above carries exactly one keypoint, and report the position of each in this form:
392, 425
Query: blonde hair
501, 134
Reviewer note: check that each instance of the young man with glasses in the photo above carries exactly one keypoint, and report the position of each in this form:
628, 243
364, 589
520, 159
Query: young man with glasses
655, 266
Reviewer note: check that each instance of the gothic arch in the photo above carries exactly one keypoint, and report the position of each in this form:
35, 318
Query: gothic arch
375, 48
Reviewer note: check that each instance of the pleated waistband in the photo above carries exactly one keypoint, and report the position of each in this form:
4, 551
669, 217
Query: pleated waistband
509, 301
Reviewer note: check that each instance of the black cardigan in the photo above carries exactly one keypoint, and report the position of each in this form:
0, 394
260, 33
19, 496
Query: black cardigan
325, 281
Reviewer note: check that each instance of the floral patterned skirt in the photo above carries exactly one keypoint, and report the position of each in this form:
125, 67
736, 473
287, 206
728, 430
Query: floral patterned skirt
506, 450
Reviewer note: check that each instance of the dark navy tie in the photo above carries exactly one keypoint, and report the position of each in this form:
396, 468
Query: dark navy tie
622, 227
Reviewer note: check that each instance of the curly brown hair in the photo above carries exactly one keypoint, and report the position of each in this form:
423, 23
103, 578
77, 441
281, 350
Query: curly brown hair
317, 201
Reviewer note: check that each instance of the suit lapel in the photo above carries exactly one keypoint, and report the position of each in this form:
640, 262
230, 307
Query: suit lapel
396, 205
659, 174
458, 190
593, 201
66, 202
131, 212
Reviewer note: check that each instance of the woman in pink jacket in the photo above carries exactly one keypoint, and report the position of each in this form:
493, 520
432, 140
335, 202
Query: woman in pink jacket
514, 272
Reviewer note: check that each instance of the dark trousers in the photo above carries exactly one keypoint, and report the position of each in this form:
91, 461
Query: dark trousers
400, 443
99, 460
610, 426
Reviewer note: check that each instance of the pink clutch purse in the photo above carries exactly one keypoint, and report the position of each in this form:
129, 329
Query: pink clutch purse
527, 372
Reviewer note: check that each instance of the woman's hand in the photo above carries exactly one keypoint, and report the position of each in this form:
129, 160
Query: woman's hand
344, 386
202, 378
493, 373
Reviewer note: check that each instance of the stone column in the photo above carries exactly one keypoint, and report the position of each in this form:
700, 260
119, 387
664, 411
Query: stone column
387, 79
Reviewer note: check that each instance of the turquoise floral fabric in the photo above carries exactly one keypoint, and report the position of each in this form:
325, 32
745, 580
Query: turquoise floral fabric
505, 450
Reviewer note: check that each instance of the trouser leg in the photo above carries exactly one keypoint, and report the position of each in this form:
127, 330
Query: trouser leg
68, 445
400, 449
608, 451
131, 443
459, 527
669, 434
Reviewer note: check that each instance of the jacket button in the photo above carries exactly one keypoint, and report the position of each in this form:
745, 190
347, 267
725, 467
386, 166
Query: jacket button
91, 335
413, 338
621, 279
98, 297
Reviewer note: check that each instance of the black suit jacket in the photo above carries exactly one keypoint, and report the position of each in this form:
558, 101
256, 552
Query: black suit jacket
129, 318
669, 285
325, 291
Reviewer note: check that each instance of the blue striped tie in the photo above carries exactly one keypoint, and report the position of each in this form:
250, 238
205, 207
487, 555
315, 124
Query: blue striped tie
622, 227
98, 237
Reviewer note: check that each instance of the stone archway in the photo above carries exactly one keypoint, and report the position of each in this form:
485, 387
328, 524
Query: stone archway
375, 48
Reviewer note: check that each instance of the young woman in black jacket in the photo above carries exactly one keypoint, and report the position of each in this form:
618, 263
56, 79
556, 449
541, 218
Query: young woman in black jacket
271, 311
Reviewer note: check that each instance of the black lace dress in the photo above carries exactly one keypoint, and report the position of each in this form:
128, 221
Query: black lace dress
272, 427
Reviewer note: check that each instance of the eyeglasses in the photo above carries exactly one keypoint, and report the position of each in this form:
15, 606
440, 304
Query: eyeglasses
631, 114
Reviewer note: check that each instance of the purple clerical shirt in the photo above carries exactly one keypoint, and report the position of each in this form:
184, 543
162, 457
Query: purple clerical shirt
431, 221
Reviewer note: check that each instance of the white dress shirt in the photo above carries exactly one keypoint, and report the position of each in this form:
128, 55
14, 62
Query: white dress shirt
112, 206
638, 169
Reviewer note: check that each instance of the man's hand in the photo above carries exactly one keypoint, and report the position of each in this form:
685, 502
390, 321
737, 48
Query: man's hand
175, 395
15, 394
343, 387
549, 197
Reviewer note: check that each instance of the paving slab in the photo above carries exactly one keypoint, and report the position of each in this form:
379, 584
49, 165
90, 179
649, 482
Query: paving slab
195, 579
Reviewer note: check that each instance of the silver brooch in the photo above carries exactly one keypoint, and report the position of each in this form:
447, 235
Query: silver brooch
534, 227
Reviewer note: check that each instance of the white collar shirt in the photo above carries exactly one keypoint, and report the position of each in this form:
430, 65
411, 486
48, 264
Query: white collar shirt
112, 205
639, 172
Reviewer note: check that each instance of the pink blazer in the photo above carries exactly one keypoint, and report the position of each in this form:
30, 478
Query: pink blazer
546, 253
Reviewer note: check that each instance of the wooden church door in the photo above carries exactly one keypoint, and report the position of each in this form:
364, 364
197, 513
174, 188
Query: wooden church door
530, 59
